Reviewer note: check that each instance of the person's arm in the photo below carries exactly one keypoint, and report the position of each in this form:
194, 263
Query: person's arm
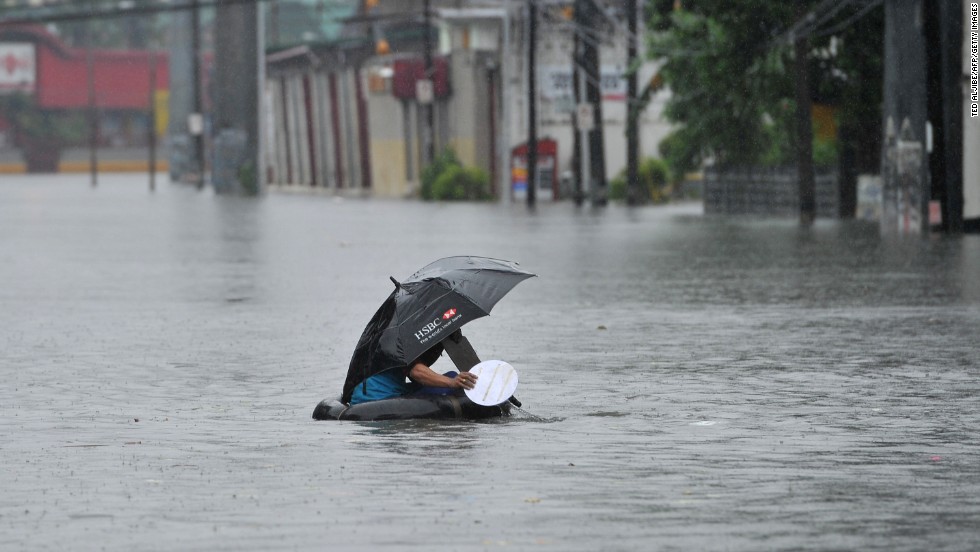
420, 373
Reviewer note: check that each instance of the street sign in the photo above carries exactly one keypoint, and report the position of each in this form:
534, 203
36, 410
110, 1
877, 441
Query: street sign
195, 124
584, 117
423, 91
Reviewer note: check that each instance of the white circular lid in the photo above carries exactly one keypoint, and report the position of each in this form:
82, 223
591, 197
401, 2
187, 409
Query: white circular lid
496, 382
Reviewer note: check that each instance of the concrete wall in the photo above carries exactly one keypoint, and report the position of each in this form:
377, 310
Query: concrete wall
772, 192
390, 121
313, 131
971, 132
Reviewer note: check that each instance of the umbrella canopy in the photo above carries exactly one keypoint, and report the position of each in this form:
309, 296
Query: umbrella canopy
425, 309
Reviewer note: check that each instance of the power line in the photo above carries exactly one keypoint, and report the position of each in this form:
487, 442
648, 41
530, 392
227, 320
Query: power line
790, 34
616, 24
104, 11
850, 21
810, 24
814, 19
830, 14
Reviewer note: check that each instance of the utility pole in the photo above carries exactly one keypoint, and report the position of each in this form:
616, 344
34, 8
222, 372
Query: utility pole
951, 51
579, 174
195, 122
237, 166
93, 114
430, 125
152, 113
532, 115
180, 100
632, 109
585, 21
904, 157
804, 127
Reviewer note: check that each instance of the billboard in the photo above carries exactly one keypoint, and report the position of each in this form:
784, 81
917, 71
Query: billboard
556, 83
18, 71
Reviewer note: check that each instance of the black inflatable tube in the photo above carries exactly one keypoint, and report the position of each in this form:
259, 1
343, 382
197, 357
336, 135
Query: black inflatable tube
416, 407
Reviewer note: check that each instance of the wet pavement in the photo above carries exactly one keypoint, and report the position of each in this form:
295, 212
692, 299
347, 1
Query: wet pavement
689, 382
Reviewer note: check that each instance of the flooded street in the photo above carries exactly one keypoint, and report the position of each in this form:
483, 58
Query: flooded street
689, 382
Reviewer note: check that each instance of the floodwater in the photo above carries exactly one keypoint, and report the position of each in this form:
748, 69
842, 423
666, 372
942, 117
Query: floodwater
689, 382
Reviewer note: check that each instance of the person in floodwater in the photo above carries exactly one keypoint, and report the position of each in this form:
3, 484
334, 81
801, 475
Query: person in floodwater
392, 383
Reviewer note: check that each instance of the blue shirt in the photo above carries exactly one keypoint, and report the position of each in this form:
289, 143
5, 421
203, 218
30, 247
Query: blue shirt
387, 384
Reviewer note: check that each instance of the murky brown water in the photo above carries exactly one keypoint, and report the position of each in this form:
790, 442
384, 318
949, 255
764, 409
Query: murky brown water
692, 383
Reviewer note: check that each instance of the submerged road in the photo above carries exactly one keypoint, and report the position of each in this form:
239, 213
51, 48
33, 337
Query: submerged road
689, 382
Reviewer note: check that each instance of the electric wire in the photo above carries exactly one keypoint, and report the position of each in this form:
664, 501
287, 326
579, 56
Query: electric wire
850, 21
102, 11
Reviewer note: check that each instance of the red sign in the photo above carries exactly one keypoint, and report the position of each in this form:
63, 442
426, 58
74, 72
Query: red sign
407, 72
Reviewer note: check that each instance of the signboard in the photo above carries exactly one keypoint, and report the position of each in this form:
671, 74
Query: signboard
424, 91
546, 177
195, 124
18, 70
556, 83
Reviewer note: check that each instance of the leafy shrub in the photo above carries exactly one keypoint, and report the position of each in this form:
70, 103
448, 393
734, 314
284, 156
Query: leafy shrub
461, 183
446, 158
654, 174
617, 187
446, 179
653, 182
824, 153
30, 121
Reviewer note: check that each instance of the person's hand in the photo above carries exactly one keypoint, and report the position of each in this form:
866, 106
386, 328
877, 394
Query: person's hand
464, 380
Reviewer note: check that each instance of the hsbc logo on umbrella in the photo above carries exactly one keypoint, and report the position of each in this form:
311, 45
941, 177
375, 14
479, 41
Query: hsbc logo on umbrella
435, 327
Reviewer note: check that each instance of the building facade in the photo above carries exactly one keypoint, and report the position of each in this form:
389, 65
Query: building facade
346, 116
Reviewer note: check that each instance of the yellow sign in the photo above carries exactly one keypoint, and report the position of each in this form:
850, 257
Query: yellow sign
824, 123
161, 107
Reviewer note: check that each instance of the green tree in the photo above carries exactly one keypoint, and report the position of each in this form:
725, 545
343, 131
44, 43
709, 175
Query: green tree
726, 81
732, 79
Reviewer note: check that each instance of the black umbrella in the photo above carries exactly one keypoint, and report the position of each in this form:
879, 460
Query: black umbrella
425, 309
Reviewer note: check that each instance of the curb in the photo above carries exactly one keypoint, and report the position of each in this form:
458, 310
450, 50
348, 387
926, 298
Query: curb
83, 167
